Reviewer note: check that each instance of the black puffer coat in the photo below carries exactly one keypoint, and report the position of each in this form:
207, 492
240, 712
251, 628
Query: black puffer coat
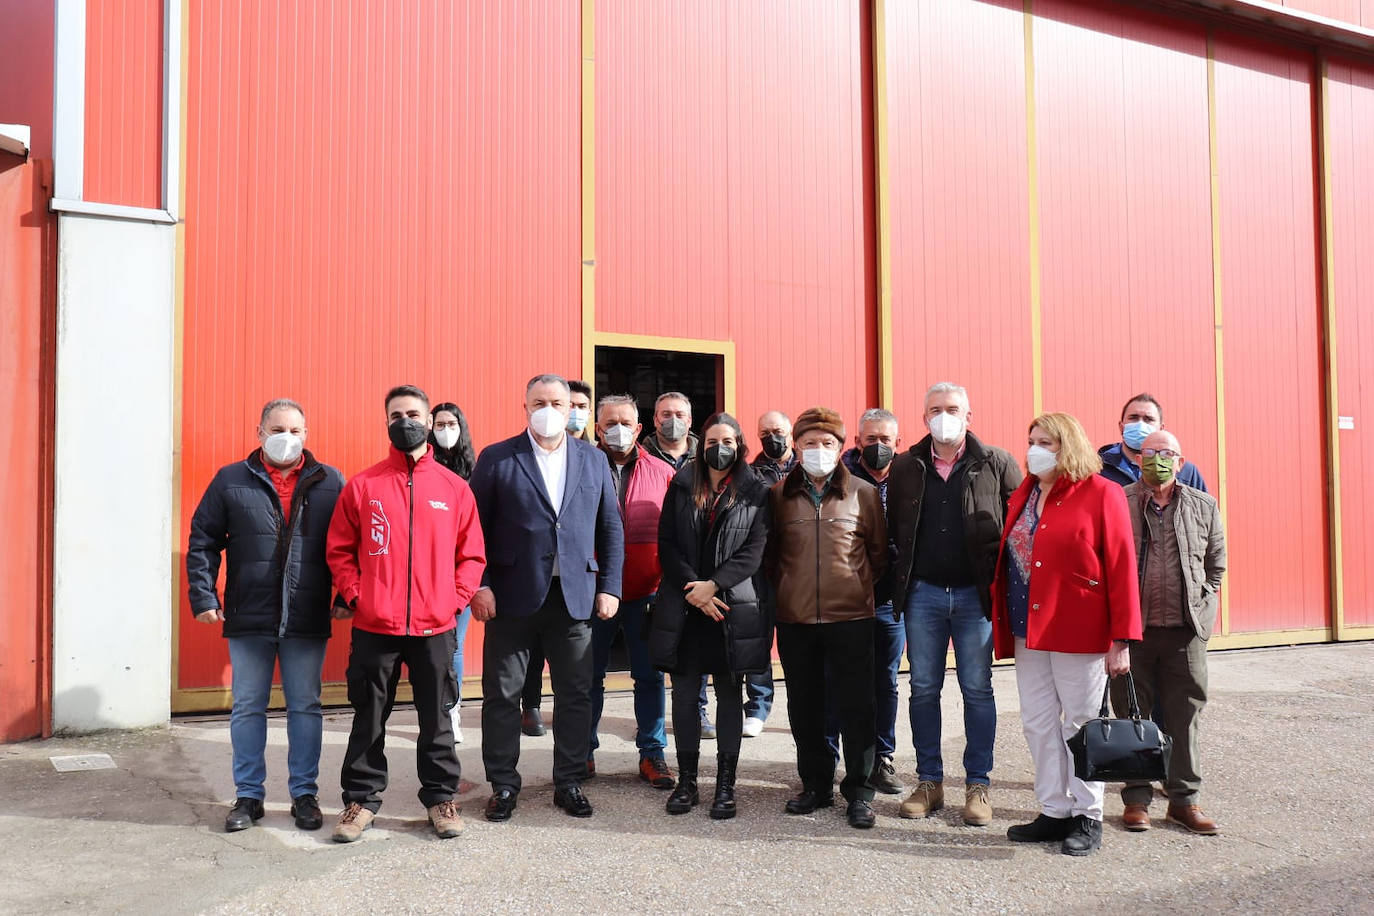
240, 513
729, 554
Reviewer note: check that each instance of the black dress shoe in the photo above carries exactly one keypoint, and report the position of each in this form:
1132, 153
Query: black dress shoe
806, 801
532, 723
860, 814
571, 800
1044, 829
243, 814
306, 810
501, 804
1084, 839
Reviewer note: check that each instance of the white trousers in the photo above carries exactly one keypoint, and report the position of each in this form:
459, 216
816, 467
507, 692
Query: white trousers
1059, 692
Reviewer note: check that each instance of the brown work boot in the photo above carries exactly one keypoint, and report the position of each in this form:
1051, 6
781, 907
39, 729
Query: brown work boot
444, 818
977, 807
1191, 817
1136, 818
352, 822
928, 798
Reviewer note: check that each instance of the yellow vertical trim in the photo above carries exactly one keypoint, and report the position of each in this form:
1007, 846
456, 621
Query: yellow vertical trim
1214, 173
1033, 207
886, 383
178, 342
1329, 343
589, 191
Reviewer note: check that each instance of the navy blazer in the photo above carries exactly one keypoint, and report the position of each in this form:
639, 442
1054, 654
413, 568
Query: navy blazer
524, 531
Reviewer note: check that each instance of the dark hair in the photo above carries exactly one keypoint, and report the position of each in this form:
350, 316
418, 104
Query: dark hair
580, 387
702, 494
405, 391
461, 458
1148, 398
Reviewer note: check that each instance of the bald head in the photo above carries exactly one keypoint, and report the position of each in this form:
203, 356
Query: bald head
775, 421
1162, 439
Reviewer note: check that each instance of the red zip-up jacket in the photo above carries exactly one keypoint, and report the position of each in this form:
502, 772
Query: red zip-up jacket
405, 546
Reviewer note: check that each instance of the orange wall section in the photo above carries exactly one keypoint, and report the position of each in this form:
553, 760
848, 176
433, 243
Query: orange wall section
1350, 138
373, 198
123, 156
26, 70
957, 179
1271, 300
734, 190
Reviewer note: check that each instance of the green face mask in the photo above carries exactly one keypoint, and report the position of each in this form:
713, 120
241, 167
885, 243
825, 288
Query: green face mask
1156, 469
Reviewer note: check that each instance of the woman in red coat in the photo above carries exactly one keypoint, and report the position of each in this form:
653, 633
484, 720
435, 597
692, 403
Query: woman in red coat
1065, 603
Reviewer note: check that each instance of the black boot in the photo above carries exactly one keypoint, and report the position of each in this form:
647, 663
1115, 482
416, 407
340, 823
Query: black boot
684, 797
723, 807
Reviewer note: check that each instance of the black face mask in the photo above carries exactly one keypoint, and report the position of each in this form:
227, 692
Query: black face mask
407, 434
775, 446
877, 456
720, 457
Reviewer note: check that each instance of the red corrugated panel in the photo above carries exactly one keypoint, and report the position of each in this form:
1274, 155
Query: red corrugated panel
124, 102
1126, 252
1277, 532
26, 241
26, 68
1341, 10
734, 171
1350, 136
959, 230
376, 194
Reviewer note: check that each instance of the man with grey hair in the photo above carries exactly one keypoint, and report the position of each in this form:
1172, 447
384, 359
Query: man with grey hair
556, 545
270, 512
672, 440
947, 505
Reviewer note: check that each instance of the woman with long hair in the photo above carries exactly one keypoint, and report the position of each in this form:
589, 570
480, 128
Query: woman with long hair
452, 442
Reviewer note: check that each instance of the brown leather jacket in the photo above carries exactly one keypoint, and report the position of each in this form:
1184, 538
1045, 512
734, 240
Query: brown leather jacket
823, 561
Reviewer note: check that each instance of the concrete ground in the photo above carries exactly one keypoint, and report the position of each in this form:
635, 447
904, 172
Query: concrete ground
1288, 742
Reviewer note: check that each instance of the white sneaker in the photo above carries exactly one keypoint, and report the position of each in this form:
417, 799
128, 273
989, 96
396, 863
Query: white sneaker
752, 727
456, 717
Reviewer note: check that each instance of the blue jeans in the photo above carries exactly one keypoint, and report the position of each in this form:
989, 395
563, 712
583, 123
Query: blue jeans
889, 637
252, 659
934, 616
759, 700
651, 735
464, 619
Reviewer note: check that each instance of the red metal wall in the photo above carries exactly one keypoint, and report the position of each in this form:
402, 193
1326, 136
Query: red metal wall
1356, 12
1350, 141
26, 259
1273, 376
733, 190
375, 195
124, 102
959, 225
26, 69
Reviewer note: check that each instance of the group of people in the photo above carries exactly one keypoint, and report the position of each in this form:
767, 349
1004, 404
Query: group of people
1092, 564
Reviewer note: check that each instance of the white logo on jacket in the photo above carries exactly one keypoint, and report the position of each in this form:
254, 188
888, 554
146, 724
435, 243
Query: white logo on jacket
380, 529
436, 504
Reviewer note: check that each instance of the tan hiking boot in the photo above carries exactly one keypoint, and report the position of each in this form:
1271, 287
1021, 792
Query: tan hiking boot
352, 822
444, 818
928, 798
977, 808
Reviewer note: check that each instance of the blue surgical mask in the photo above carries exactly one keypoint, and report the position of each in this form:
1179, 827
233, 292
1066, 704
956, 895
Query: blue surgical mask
1135, 433
577, 419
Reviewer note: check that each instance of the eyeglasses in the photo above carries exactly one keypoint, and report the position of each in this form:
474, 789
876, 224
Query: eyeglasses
1161, 452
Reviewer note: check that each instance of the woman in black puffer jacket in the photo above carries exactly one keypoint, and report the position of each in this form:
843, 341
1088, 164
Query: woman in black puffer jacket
707, 618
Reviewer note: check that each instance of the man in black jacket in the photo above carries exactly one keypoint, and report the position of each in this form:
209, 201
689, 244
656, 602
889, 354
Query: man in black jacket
271, 513
946, 506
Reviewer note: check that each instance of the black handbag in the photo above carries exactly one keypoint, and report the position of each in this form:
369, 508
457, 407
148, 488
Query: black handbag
1120, 750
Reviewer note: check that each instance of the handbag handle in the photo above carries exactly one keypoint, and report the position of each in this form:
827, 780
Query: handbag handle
1104, 712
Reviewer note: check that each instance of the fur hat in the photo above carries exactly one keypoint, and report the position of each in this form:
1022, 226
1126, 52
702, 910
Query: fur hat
822, 418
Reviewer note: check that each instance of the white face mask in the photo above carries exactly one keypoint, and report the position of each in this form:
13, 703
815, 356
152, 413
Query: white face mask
819, 461
619, 437
447, 436
548, 422
282, 448
577, 419
946, 428
1040, 460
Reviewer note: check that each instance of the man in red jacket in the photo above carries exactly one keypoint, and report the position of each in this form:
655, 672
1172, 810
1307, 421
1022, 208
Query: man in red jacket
641, 482
406, 550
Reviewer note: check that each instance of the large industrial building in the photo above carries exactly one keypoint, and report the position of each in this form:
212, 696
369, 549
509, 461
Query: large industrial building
205, 204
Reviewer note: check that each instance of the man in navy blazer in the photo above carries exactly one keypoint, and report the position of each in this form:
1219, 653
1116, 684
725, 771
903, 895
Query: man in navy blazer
555, 549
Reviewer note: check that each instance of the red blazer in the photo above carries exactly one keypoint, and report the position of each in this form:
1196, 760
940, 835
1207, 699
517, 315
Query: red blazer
1084, 590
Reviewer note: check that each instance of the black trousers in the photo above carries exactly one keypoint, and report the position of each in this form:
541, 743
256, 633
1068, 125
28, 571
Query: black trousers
374, 666
830, 663
687, 687
506, 645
